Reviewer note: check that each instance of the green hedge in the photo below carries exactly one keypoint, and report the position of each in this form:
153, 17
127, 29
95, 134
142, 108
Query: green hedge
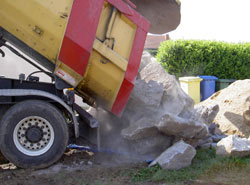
197, 57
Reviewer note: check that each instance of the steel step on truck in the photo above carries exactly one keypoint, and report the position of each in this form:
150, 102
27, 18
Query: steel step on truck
91, 48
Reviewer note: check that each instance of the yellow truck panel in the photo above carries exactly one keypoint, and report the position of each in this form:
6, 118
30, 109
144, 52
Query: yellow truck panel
95, 46
39, 24
110, 56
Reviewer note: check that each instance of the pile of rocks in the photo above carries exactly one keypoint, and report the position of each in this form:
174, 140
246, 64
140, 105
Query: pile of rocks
215, 135
159, 115
233, 145
233, 117
160, 121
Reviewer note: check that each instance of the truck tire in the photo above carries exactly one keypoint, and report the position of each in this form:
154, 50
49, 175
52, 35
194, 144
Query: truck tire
33, 134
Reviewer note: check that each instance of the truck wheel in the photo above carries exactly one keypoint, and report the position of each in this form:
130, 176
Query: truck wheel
33, 134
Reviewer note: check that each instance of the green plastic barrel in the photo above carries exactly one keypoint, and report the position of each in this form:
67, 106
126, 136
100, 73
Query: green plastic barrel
223, 83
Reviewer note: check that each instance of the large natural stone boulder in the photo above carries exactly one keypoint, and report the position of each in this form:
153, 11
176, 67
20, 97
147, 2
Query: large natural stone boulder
246, 113
178, 156
145, 60
174, 99
148, 93
186, 128
143, 128
141, 140
206, 114
150, 147
156, 92
155, 95
233, 146
233, 102
247, 103
246, 117
214, 129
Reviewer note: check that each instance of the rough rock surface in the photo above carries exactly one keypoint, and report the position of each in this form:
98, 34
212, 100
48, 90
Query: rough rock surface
210, 141
178, 156
150, 147
174, 125
214, 129
246, 117
206, 114
174, 99
157, 93
233, 146
143, 128
149, 94
233, 101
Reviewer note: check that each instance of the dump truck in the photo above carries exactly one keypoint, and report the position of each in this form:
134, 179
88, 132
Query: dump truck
89, 48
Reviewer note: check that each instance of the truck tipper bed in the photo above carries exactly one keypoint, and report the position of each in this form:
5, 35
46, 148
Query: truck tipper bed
91, 48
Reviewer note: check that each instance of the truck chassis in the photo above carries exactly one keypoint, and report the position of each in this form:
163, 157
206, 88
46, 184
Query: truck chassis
35, 118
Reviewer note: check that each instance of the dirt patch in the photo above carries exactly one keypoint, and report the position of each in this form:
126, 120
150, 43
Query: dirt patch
75, 168
200, 182
232, 177
84, 168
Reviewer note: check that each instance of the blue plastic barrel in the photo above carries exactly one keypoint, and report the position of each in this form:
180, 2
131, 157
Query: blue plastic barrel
207, 86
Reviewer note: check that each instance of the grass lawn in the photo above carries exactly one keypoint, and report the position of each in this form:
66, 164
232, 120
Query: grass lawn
206, 167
